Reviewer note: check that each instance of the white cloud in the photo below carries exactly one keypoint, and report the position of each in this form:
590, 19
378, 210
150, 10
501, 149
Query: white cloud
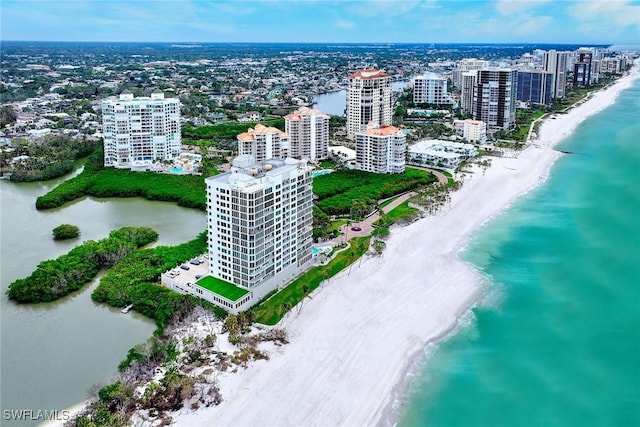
510, 7
430, 4
530, 25
607, 12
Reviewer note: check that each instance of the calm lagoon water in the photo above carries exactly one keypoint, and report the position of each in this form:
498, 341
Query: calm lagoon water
334, 103
557, 340
51, 354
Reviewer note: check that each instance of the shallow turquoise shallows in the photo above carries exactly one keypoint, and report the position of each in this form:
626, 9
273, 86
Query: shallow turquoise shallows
556, 342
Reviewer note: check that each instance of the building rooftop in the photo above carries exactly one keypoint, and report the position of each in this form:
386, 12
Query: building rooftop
431, 144
368, 74
381, 131
260, 129
346, 152
430, 76
248, 175
222, 288
305, 111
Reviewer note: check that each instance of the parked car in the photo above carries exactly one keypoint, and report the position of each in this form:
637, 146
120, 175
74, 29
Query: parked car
184, 267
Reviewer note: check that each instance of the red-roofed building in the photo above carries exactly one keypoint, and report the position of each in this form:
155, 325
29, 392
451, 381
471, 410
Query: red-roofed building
368, 100
263, 143
381, 149
308, 130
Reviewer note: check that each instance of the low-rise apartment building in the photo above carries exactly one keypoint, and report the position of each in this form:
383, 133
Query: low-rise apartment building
440, 154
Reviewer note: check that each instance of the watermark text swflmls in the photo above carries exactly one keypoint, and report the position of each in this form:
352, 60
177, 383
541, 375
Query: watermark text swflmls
35, 415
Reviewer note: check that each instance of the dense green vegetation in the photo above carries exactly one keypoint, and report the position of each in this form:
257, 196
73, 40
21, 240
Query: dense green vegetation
7, 115
340, 191
272, 310
133, 281
187, 190
56, 278
65, 231
226, 131
327, 164
46, 158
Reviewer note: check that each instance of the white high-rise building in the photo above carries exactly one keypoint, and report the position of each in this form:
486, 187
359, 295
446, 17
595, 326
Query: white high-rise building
263, 142
368, 100
260, 219
556, 62
308, 132
494, 98
430, 89
467, 64
381, 150
468, 79
138, 131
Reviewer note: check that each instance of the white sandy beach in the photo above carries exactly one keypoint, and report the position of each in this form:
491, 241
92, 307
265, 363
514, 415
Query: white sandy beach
352, 342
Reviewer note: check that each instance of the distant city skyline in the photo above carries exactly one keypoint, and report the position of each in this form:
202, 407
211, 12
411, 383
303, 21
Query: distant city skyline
374, 21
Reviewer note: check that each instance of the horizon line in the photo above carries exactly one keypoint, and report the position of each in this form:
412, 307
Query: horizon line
321, 42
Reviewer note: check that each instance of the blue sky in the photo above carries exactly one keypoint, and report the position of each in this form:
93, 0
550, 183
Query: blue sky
428, 21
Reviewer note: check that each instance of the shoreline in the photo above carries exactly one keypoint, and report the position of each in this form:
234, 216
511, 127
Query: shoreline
335, 371
401, 393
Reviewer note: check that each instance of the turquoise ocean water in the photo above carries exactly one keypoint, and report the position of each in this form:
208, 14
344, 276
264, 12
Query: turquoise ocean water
556, 342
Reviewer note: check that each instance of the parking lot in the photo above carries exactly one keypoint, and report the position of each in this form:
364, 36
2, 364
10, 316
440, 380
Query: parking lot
188, 272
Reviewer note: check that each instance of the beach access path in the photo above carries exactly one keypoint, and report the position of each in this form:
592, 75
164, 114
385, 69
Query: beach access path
353, 341
366, 225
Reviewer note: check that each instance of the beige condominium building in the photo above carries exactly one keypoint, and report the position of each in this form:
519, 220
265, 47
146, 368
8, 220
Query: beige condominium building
381, 149
368, 100
308, 132
264, 142
475, 131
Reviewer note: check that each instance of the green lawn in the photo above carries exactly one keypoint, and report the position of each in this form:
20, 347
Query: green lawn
272, 310
222, 288
402, 211
335, 225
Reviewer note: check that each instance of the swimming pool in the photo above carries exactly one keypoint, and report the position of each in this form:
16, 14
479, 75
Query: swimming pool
315, 250
316, 174
176, 170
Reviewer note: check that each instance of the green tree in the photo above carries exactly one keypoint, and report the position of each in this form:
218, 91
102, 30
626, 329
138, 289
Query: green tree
7, 115
65, 231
